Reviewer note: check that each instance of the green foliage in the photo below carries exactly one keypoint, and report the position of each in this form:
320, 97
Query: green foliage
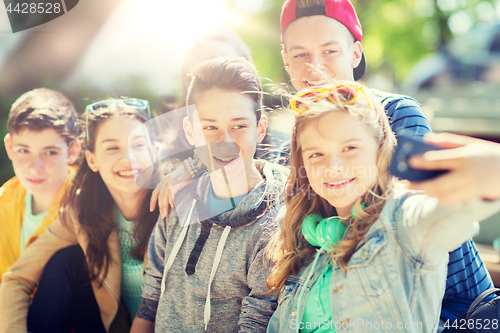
262, 35
397, 34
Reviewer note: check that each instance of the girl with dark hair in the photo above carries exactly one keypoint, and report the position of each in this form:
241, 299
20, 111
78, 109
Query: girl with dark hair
87, 267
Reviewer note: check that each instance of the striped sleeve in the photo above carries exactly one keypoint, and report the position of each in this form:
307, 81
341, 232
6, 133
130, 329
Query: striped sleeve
404, 113
467, 279
467, 275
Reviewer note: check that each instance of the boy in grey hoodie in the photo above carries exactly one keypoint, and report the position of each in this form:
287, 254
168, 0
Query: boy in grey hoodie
208, 268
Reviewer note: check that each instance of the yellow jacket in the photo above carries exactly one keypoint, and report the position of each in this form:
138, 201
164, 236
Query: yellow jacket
23, 277
12, 197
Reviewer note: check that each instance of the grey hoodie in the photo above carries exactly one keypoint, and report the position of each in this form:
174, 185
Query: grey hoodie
237, 299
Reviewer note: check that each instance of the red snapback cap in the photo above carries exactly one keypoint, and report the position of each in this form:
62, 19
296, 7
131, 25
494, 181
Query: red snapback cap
340, 10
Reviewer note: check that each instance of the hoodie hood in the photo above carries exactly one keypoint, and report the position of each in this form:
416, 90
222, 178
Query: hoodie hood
266, 195
248, 225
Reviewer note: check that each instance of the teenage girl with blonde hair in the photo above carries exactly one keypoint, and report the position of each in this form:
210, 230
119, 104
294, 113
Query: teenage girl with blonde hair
355, 251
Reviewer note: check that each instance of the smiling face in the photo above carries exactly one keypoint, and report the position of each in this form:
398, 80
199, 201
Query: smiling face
40, 160
341, 165
317, 49
227, 120
118, 156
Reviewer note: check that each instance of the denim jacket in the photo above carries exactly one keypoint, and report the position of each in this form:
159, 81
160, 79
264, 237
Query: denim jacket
395, 280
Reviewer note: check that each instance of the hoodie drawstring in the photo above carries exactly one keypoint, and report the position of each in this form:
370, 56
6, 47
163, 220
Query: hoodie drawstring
218, 255
177, 247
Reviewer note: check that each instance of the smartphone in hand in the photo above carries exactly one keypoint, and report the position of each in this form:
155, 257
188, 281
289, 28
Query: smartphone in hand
409, 146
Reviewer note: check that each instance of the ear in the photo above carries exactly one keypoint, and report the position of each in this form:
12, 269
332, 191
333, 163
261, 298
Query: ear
73, 152
188, 130
357, 53
7, 140
285, 58
261, 127
91, 161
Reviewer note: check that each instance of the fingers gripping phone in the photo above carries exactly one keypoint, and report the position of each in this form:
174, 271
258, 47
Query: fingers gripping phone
409, 146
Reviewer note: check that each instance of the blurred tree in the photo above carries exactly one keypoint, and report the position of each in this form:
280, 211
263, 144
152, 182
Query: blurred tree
397, 34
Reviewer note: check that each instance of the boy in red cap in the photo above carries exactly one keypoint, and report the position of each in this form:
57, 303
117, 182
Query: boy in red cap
321, 40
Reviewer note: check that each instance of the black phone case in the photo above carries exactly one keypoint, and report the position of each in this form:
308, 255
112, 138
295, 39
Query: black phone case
408, 147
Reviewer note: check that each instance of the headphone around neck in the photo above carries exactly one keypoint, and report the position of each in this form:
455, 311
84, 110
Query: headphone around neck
325, 232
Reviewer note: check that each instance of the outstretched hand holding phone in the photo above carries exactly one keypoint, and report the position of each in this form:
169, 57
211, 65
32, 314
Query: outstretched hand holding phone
473, 164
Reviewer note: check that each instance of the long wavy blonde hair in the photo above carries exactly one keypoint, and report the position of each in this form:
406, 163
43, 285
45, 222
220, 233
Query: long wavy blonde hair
290, 250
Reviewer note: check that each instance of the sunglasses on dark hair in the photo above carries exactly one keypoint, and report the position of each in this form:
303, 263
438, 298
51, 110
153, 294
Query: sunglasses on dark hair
348, 94
136, 103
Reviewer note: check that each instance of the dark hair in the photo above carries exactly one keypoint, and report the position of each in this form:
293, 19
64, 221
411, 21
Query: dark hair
41, 109
90, 200
232, 74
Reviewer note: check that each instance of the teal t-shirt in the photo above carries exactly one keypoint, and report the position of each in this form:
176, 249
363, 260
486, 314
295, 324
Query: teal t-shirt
217, 206
131, 268
318, 309
30, 222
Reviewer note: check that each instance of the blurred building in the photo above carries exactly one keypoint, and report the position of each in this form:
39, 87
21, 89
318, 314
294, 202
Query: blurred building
459, 89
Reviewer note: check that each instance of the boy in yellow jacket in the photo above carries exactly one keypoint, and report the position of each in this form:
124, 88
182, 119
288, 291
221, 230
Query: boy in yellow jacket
41, 143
